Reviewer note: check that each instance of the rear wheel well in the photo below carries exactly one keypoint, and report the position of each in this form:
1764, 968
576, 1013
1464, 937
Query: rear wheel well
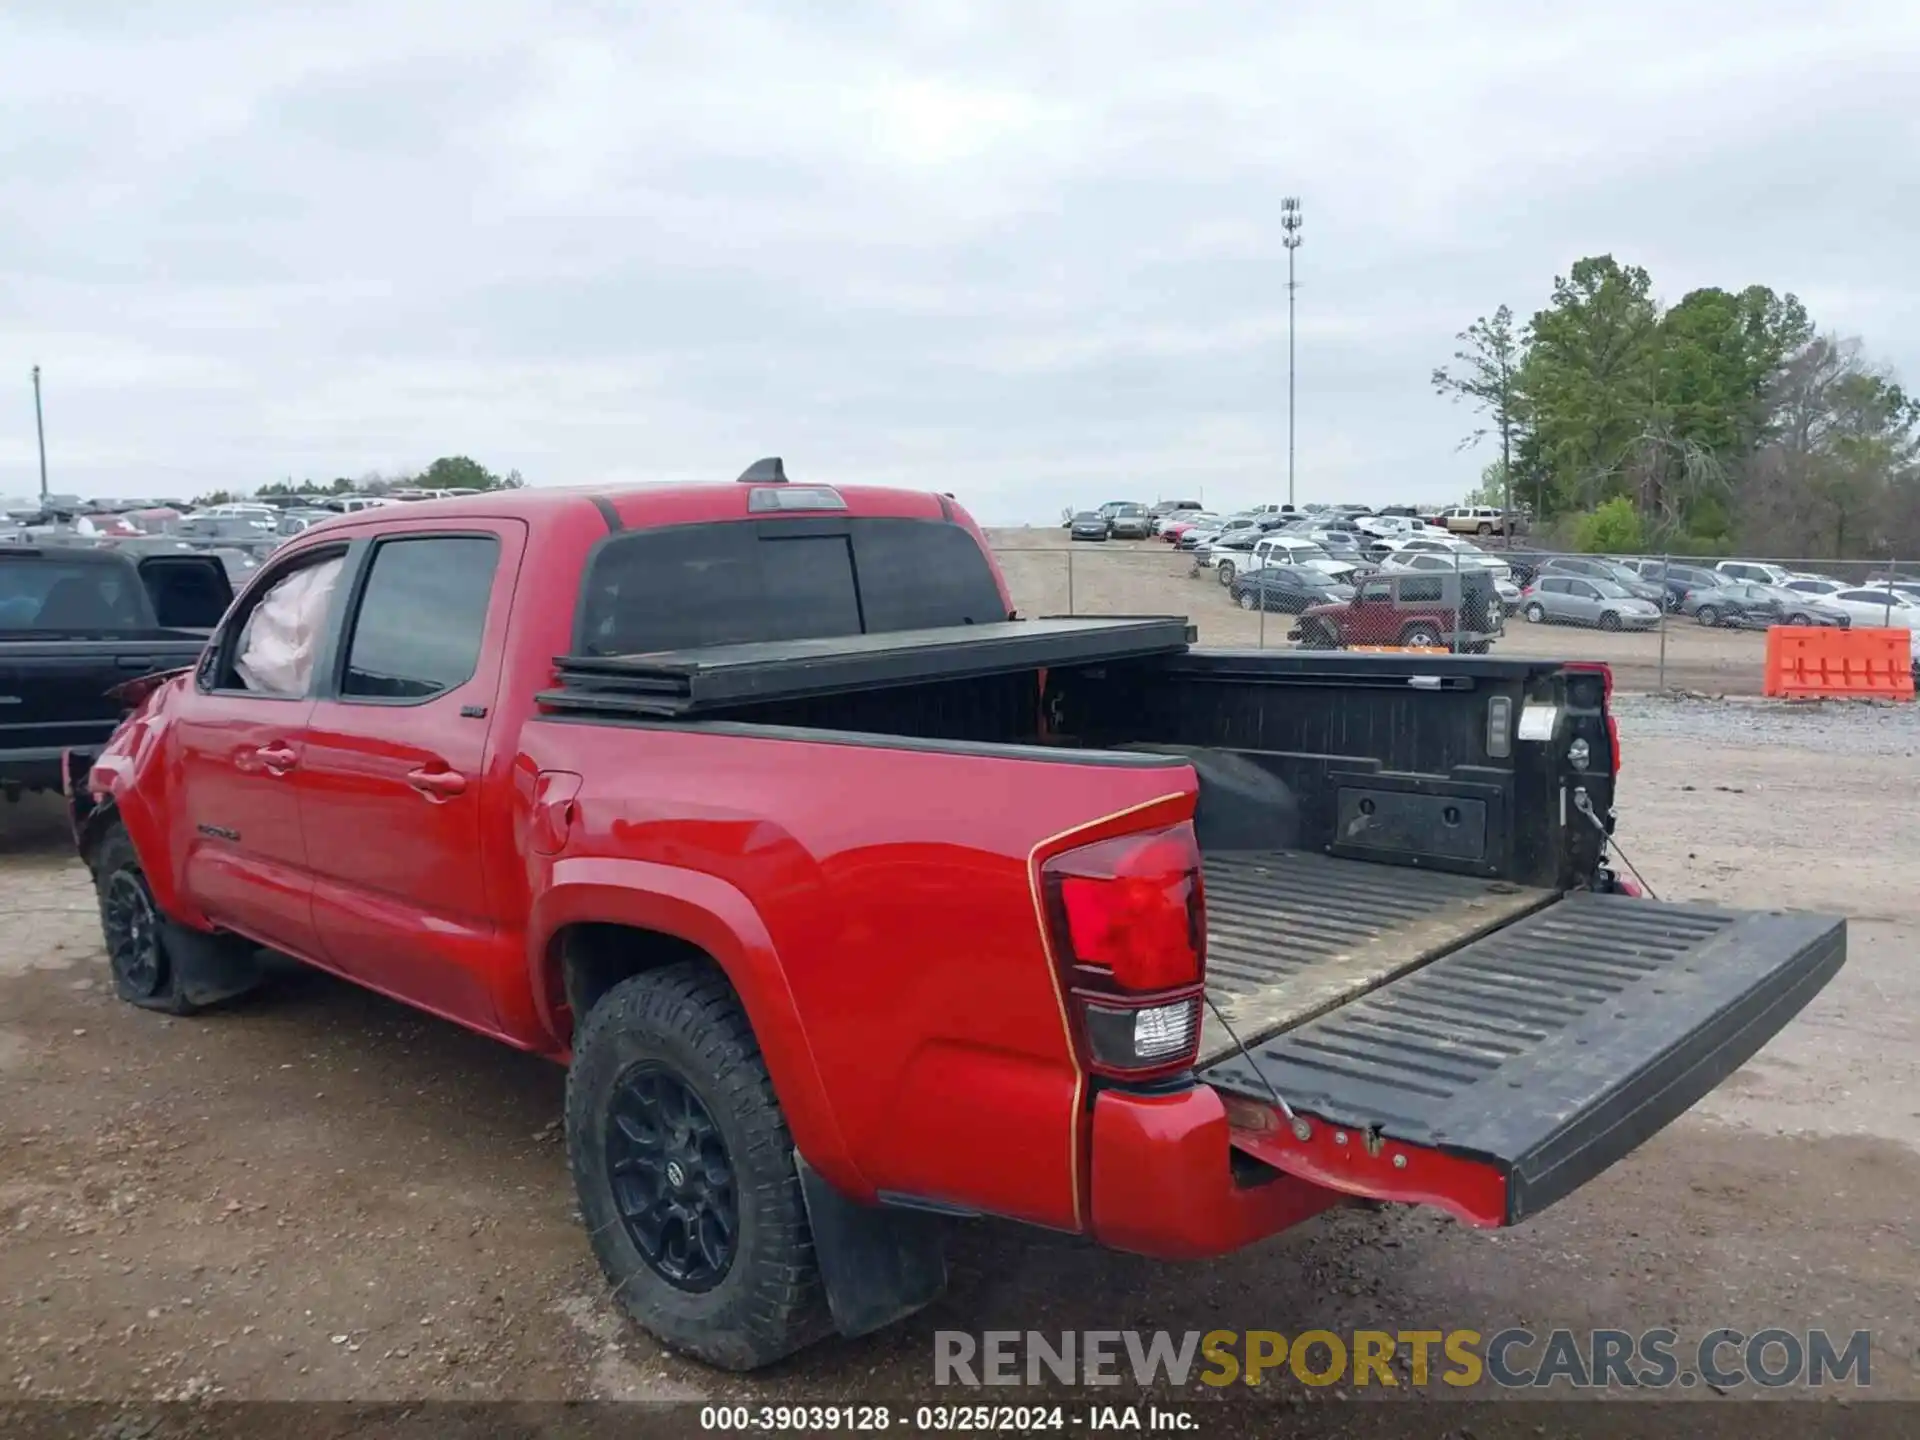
590, 958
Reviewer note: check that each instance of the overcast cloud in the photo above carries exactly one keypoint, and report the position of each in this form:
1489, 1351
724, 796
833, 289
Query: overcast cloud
1027, 252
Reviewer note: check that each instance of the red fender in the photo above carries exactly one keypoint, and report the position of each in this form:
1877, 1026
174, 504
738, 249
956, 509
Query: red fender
114, 777
706, 911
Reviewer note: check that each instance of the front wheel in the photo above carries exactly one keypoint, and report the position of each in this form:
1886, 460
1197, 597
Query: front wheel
1609, 620
1315, 635
684, 1169
1225, 567
143, 972
1707, 616
1798, 619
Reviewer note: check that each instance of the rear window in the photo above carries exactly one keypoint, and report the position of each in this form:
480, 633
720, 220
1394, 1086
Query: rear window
733, 582
51, 594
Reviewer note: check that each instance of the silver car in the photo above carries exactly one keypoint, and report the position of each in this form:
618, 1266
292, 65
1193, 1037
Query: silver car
1575, 600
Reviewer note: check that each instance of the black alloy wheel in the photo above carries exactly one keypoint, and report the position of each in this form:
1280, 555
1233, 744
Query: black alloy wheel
673, 1180
130, 926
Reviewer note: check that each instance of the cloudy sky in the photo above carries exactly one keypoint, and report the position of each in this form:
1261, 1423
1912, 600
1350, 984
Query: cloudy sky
1026, 252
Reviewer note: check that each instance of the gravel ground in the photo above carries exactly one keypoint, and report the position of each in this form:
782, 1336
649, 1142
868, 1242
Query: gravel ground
321, 1195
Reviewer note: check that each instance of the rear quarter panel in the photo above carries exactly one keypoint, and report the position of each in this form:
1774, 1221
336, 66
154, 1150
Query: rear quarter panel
875, 907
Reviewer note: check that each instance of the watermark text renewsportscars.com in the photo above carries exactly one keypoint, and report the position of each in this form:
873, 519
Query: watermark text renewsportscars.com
1770, 1358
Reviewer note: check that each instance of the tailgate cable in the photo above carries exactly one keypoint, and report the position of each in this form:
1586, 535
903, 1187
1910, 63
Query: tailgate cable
1285, 1109
1585, 807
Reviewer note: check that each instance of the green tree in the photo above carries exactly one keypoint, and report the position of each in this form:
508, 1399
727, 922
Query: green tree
1485, 374
457, 472
1587, 379
1611, 529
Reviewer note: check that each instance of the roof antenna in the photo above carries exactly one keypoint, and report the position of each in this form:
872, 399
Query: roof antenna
764, 472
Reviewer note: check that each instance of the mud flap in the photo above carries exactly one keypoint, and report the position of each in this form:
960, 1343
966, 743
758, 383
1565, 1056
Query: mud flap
878, 1265
1504, 1075
206, 969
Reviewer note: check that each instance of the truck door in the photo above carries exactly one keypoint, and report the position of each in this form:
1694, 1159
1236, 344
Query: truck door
394, 786
239, 738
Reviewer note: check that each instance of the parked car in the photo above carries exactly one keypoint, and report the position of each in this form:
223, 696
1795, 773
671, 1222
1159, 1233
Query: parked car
1599, 604
1676, 578
1600, 567
1130, 522
1746, 606
1441, 564
1087, 525
78, 621
1877, 608
1754, 572
1475, 520
1289, 589
1800, 609
1459, 610
1175, 529
1286, 549
640, 861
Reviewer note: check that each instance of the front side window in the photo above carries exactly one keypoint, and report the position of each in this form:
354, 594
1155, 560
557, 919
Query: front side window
422, 614
280, 637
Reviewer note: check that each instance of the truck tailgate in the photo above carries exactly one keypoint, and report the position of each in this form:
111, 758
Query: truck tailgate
1504, 1074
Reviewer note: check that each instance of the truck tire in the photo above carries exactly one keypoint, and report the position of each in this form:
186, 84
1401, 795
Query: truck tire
143, 972
685, 1174
1484, 528
1420, 633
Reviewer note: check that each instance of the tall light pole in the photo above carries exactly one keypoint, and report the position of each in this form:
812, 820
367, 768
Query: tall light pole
1290, 237
40, 429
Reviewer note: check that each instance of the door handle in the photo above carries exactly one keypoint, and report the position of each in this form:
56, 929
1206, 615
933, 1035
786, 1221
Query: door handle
277, 758
437, 784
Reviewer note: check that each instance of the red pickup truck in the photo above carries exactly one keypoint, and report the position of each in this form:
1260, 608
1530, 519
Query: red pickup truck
855, 902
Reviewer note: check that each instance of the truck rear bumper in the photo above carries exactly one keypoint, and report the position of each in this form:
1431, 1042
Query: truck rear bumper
1164, 1182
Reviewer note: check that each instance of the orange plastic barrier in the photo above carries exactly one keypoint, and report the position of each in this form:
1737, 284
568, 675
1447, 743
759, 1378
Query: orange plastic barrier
1814, 662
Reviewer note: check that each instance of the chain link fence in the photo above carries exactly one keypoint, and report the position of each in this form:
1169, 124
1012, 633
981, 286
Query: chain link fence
1663, 622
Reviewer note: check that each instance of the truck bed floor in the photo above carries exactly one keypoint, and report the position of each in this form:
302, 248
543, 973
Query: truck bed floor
1291, 934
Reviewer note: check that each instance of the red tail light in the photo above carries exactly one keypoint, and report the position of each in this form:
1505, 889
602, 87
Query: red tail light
1127, 918
1605, 672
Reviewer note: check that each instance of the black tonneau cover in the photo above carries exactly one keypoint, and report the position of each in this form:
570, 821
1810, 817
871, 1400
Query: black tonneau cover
680, 683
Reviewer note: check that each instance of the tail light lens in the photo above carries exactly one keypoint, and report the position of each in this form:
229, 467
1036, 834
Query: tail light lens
1127, 920
1605, 672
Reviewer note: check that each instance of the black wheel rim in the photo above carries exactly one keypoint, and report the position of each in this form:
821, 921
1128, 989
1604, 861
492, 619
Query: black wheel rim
132, 932
672, 1178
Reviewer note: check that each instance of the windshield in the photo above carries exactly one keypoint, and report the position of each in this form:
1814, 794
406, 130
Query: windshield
56, 595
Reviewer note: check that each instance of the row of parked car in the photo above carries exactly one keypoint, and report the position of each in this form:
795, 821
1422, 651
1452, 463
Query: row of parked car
1633, 594
241, 533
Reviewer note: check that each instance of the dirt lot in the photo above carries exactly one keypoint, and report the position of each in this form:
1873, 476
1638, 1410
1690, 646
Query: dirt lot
1148, 578
318, 1195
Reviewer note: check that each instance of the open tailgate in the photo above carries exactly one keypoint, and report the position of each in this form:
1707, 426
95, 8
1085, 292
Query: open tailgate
1499, 1077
